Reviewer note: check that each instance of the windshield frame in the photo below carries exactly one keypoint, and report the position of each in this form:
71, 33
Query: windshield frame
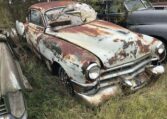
82, 17
45, 15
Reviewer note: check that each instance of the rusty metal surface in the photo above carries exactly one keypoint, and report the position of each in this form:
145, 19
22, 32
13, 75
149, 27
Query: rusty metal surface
141, 79
72, 58
120, 54
101, 95
98, 37
48, 5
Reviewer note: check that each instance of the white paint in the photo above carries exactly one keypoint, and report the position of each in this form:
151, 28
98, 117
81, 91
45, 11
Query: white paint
158, 70
20, 27
14, 81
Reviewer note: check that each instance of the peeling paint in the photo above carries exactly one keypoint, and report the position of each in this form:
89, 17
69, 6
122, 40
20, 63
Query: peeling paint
75, 44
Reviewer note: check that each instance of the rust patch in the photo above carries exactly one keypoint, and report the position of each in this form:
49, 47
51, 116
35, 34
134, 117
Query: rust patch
127, 44
140, 35
48, 5
71, 51
112, 60
108, 25
85, 29
143, 48
122, 54
154, 41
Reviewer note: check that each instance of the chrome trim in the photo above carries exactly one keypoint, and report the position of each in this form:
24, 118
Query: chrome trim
154, 59
123, 72
3, 107
104, 83
88, 71
134, 74
91, 65
85, 85
127, 64
2, 38
102, 95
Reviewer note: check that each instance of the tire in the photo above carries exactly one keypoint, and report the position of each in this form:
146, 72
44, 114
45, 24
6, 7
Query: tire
65, 80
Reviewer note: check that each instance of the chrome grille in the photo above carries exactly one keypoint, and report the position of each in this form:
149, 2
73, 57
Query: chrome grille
127, 71
3, 107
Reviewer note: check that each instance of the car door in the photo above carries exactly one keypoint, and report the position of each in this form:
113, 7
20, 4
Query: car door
35, 29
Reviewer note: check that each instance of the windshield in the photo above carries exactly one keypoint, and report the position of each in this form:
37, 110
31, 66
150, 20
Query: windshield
133, 5
71, 15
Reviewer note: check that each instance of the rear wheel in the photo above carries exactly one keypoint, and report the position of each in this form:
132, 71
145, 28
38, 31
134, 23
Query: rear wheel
65, 79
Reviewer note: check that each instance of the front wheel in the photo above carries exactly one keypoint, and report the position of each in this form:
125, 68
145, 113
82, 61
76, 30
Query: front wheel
65, 79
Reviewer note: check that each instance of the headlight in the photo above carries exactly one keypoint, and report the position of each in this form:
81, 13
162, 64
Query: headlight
161, 52
93, 71
161, 48
17, 106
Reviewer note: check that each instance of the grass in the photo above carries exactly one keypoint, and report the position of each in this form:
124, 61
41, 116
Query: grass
5, 16
48, 100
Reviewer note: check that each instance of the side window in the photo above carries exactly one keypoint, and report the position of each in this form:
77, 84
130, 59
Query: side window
35, 17
116, 6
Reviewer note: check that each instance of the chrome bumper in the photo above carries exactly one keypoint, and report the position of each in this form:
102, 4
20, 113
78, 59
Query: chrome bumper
105, 93
9, 116
101, 96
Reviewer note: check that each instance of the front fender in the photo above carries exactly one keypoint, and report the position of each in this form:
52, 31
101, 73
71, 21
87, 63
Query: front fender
72, 58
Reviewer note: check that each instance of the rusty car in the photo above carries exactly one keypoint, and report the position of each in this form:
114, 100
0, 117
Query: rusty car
12, 103
94, 59
137, 15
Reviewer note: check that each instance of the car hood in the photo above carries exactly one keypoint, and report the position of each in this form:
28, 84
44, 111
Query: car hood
8, 71
112, 44
147, 17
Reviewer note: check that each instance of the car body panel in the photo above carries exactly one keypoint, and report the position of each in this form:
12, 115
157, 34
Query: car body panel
146, 20
122, 55
44, 6
148, 17
9, 74
11, 82
98, 39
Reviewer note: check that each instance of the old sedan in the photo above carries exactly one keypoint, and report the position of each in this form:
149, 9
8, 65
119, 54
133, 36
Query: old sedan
93, 58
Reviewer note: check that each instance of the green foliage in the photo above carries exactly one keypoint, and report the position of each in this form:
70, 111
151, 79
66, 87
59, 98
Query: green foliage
5, 18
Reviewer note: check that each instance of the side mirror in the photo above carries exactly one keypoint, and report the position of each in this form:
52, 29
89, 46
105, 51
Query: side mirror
26, 19
20, 28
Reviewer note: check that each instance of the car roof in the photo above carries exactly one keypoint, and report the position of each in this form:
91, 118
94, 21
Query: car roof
44, 6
